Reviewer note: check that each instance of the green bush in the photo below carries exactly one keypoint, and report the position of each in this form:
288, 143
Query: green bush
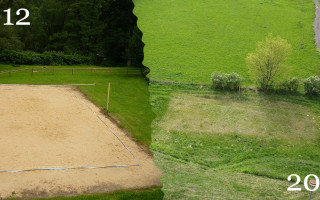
290, 85
218, 80
233, 81
46, 58
226, 81
312, 86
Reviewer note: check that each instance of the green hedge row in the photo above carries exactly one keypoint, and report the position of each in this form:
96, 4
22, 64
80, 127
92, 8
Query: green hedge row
233, 82
46, 58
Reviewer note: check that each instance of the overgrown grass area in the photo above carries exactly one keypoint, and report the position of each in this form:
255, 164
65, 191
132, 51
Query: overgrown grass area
220, 145
187, 40
129, 97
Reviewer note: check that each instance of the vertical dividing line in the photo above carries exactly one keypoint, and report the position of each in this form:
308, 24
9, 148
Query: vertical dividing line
108, 97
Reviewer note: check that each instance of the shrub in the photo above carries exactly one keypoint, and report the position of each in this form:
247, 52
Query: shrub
290, 85
46, 58
312, 86
218, 80
226, 81
233, 81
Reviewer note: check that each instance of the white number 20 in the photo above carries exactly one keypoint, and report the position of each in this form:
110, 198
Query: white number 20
298, 181
306, 183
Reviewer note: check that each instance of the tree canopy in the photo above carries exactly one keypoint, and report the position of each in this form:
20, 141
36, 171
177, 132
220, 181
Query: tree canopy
104, 29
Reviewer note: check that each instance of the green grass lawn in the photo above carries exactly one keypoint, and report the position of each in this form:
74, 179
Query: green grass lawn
219, 145
129, 104
187, 40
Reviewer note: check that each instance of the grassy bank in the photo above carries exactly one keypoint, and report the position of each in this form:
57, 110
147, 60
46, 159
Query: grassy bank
229, 146
187, 40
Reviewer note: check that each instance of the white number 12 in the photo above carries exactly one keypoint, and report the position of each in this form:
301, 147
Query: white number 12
19, 23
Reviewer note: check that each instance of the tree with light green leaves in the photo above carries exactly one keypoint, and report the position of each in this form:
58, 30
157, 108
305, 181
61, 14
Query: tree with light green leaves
267, 63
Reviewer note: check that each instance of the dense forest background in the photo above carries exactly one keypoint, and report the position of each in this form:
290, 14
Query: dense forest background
105, 30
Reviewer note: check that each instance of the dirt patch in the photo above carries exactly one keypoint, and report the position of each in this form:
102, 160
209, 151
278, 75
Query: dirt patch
50, 127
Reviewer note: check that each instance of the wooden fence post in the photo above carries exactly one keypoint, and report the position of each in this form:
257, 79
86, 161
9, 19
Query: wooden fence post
108, 97
72, 71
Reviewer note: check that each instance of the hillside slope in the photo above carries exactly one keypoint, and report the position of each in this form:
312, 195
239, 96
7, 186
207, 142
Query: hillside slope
187, 40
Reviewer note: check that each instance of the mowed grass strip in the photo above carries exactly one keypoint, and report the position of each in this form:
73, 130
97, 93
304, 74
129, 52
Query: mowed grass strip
154, 193
187, 40
228, 146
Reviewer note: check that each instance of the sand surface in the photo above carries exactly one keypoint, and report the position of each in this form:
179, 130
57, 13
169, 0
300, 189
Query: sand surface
51, 127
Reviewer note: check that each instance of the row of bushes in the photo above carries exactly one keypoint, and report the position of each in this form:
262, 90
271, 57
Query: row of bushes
46, 58
233, 82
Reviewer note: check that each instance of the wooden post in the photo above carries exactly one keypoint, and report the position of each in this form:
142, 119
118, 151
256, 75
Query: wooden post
108, 97
32, 72
53, 71
72, 71
9, 74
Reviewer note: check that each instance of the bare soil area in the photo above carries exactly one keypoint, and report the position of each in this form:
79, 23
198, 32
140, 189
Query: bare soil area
50, 127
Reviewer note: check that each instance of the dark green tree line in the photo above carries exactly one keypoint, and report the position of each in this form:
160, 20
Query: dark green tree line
103, 29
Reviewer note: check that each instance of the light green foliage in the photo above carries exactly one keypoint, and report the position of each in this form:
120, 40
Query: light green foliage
218, 145
267, 62
187, 40
312, 86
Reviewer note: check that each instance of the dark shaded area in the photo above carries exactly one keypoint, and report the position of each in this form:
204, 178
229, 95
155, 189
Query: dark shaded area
105, 30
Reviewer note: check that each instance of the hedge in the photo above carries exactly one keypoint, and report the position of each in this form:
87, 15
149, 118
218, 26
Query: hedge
46, 58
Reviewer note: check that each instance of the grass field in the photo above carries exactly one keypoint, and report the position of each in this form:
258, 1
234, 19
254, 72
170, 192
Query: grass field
230, 146
187, 40
129, 104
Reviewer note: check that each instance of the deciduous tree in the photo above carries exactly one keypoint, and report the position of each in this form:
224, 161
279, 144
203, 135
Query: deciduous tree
268, 61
